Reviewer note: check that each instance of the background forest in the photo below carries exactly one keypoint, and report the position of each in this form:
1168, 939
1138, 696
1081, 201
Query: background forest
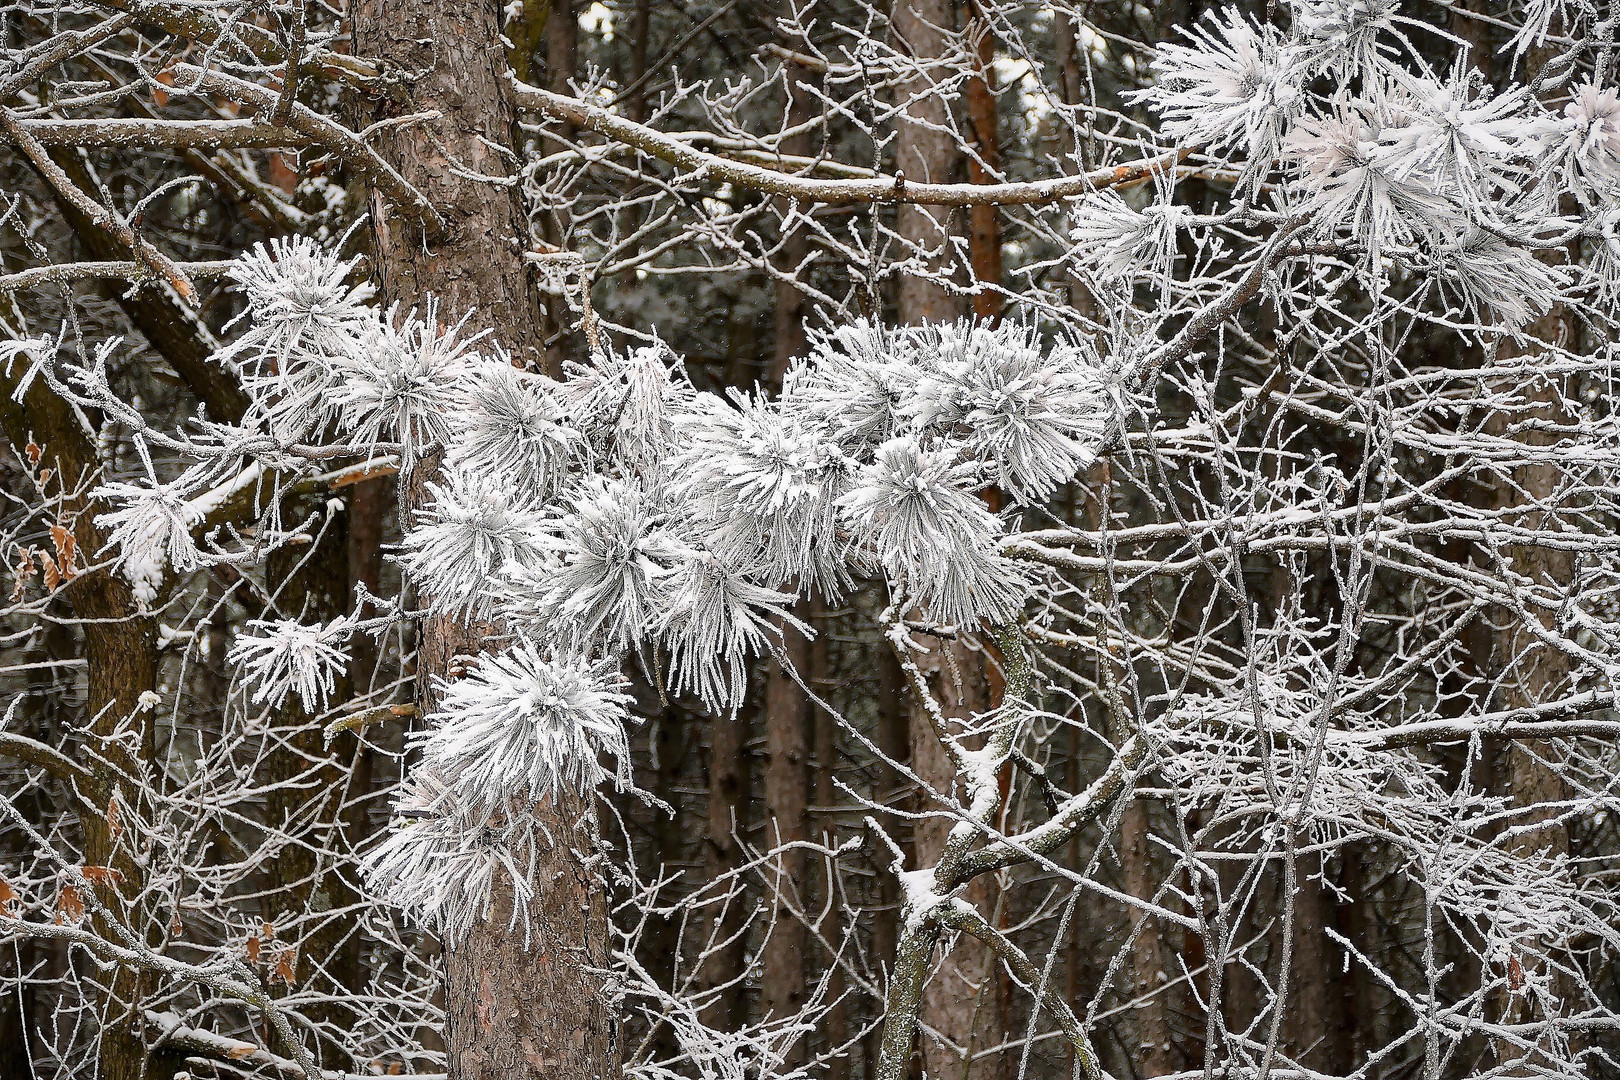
1438, 901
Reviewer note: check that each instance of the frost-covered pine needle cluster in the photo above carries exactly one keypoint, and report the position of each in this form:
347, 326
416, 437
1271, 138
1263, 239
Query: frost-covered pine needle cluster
619, 518
1339, 130
617, 522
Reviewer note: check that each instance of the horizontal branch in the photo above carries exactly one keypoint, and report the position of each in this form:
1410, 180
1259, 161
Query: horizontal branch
33, 752
1548, 720
881, 188
172, 1032
172, 134
36, 276
320, 131
193, 22
100, 216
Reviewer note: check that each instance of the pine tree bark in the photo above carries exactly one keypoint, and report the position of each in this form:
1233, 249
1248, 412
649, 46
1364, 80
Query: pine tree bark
787, 710
787, 754
925, 151
121, 668
961, 999
984, 166
728, 782
514, 1010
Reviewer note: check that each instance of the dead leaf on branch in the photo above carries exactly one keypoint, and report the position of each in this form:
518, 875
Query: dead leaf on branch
67, 551
69, 906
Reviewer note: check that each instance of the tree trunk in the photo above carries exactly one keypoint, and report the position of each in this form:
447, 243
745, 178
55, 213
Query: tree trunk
962, 1000
728, 781
824, 757
787, 753
893, 740
1526, 672
312, 586
926, 152
121, 668
1150, 964
787, 710
984, 165
512, 1012
640, 30
1071, 90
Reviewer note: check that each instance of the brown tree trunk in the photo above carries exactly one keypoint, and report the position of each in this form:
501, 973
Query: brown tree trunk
1071, 90
984, 165
926, 151
512, 1011
824, 757
1313, 1024
1150, 963
787, 754
121, 660
893, 739
640, 31
787, 710
312, 586
121, 667
960, 1001
1527, 672
728, 781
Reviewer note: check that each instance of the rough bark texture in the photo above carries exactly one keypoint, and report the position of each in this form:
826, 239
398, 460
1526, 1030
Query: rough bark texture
963, 999
728, 787
515, 1009
787, 754
926, 152
787, 711
984, 166
478, 262
120, 651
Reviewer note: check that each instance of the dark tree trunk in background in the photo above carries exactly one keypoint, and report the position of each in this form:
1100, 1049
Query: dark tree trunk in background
635, 105
121, 667
512, 1011
893, 738
1528, 672
925, 151
728, 788
310, 785
787, 791
824, 758
984, 165
787, 710
961, 999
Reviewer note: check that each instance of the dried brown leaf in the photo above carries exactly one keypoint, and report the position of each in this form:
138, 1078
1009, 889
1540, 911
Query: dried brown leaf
69, 905
67, 551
